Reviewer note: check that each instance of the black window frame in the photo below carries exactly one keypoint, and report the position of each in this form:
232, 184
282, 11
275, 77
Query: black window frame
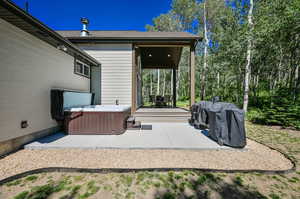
82, 71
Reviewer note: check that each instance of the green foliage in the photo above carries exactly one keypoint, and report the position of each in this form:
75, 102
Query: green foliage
274, 196
91, 190
278, 109
22, 195
169, 195
41, 192
274, 96
31, 178
14, 183
238, 180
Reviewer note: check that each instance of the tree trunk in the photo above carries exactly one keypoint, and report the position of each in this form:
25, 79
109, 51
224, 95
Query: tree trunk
151, 79
296, 83
171, 85
205, 52
248, 67
158, 82
178, 84
164, 85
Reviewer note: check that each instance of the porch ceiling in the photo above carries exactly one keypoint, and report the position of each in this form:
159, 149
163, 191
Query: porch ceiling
160, 57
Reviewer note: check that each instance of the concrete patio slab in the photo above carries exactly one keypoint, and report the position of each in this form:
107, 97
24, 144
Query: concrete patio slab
162, 136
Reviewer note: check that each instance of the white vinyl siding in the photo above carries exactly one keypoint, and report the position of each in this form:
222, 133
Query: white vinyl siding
116, 70
29, 69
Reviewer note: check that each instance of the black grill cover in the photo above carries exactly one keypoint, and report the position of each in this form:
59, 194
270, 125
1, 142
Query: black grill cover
203, 117
227, 125
199, 112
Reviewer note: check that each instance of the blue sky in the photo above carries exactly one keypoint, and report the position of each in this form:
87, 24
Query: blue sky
103, 14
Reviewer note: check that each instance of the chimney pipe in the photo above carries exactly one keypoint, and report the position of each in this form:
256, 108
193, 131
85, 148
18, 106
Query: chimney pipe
84, 31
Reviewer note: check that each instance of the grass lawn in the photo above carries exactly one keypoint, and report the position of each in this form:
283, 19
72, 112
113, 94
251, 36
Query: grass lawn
169, 185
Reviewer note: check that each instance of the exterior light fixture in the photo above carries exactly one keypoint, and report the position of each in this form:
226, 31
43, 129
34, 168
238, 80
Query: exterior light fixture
62, 48
150, 55
169, 55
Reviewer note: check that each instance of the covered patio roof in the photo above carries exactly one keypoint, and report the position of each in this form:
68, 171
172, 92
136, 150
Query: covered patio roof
99, 36
153, 50
157, 49
160, 57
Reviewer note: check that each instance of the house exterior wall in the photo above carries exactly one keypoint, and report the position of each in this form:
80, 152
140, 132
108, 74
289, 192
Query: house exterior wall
29, 69
116, 71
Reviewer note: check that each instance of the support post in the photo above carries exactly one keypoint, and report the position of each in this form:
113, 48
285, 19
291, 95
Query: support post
192, 74
134, 81
174, 87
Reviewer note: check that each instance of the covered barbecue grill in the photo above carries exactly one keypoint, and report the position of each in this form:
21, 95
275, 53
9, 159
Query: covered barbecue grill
225, 122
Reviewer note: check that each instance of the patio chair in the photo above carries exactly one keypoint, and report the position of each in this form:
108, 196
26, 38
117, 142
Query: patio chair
159, 101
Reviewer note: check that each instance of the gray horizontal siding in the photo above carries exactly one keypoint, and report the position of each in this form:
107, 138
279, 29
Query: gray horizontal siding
116, 70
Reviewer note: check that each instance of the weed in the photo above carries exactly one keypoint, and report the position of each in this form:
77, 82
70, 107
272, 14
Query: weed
274, 196
169, 195
178, 177
182, 186
130, 195
140, 177
143, 191
238, 180
91, 190
31, 178
201, 180
74, 191
294, 179
127, 180
171, 174
22, 195
14, 183
211, 177
78, 178
40, 192
107, 187
156, 184
62, 184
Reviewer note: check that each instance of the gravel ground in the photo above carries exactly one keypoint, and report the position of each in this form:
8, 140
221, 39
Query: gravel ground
256, 156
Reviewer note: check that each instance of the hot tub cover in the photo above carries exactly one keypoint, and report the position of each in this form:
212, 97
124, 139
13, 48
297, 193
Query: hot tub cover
99, 108
62, 99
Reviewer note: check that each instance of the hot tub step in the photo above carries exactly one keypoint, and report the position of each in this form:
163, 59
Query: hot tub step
136, 126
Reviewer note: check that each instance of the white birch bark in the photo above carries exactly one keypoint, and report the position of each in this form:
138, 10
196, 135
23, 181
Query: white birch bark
205, 52
151, 79
164, 83
296, 82
158, 82
249, 51
171, 85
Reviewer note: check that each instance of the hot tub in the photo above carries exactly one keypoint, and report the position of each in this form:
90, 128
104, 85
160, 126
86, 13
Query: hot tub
96, 119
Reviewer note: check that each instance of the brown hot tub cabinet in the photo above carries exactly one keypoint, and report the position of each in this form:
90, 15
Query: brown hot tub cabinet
97, 120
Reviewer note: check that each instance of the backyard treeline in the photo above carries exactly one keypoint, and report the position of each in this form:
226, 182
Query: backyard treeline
263, 52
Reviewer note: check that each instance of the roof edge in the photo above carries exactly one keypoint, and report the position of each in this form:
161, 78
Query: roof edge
12, 7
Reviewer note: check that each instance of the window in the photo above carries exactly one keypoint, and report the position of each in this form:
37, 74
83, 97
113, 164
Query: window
86, 70
81, 68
